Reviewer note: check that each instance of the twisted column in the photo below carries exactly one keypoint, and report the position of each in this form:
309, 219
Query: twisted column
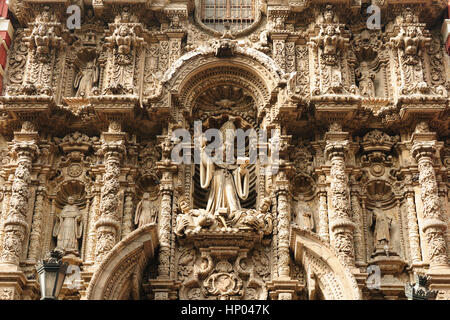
341, 223
108, 223
433, 226
15, 225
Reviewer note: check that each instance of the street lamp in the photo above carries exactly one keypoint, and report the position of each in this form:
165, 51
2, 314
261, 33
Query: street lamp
51, 275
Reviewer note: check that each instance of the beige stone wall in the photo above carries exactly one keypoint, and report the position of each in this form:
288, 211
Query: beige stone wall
360, 117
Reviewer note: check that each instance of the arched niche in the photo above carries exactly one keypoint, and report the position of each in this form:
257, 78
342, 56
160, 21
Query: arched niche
334, 279
197, 71
119, 276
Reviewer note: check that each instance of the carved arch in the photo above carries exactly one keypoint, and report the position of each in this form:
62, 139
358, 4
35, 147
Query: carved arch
334, 278
247, 68
119, 274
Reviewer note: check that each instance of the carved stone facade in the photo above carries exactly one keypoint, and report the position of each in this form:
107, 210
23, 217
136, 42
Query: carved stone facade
351, 202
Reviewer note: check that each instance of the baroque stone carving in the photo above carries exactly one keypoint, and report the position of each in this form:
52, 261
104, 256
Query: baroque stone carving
354, 121
68, 228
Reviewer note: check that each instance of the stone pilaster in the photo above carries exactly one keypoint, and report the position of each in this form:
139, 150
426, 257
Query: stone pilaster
7, 190
36, 228
324, 232
165, 224
279, 49
15, 226
413, 228
107, 225
359, 238
128, 212
283, 225
341, 223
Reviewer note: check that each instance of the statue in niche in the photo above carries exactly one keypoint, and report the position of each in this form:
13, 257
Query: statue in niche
227, 183
68, 228
382, 223
191, 219
146, 211
86, 78
366, 80
306, 218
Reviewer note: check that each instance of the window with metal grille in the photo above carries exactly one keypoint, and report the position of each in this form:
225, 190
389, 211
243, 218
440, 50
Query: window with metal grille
239, 14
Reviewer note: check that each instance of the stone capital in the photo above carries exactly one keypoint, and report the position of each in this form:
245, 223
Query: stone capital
423, 149
337, 148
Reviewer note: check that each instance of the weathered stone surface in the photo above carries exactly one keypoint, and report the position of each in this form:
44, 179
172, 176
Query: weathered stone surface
351, 201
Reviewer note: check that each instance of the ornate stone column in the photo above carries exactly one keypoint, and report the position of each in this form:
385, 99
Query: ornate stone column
165, 221
164, 287
283, 225
358, 219
424, 150
413, 228
36, 228
283, 287
107, 226
341, 223
15, 226
324, 232
7, 190
128, 212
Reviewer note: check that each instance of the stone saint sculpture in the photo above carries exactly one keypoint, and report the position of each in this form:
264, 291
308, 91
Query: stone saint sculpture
382, 229
146, 212
227, 183
68, 228
85, 79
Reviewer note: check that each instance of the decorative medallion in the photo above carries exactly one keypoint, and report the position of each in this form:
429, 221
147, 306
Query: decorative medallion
74, 170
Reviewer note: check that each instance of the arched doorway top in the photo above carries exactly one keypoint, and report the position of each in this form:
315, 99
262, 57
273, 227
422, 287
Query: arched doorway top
202, 69
262, 67
335, 279
119, 274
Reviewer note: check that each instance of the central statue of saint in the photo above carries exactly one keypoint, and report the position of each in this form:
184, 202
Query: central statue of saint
227, 183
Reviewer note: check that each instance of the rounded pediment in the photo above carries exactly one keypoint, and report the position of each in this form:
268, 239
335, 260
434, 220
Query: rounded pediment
231, 17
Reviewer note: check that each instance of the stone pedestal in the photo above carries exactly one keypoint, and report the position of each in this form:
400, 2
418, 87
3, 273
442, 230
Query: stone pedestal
440, 282
163, 288
284, 289
390, 266
12, 285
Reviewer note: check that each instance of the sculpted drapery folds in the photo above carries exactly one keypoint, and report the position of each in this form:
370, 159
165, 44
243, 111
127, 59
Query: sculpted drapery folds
227, 183
68, 228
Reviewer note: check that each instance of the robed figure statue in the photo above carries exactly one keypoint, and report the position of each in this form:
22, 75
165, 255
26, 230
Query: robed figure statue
227, 183
85, 79
68, 228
